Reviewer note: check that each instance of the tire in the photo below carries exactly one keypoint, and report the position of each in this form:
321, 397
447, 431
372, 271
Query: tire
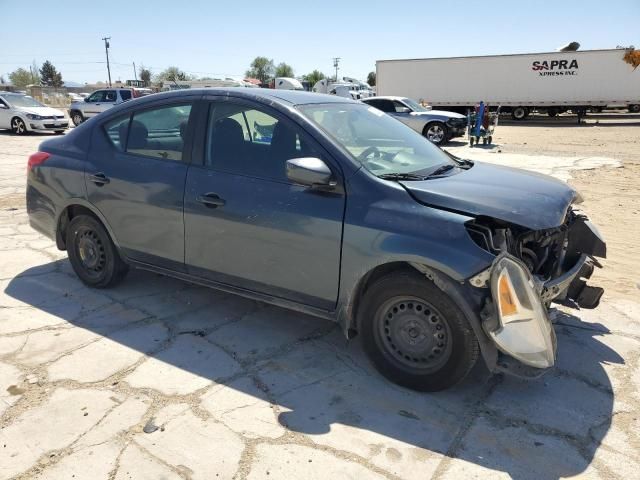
92, 254
489, 139
415, 334
77, 118
519, 113
18, 126
436, 132
634, 108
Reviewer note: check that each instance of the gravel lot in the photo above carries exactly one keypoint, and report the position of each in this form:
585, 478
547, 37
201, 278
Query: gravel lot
158, 378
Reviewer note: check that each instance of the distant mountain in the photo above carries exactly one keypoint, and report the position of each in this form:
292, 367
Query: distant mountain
73, 84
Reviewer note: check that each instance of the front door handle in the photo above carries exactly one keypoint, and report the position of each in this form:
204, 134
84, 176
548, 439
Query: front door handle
99, 179
211, 200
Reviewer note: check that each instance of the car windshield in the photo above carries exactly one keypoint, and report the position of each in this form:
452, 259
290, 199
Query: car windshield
415, 106
382, 144
22, 101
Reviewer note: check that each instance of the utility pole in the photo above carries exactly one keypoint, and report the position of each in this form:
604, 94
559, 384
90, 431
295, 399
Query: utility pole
336, 62
106, 49
135, 74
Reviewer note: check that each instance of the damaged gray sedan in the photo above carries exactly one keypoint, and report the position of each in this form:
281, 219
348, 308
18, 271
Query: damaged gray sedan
329, 207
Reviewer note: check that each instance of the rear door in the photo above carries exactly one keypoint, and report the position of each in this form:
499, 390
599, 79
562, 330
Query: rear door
135, 176
246, 224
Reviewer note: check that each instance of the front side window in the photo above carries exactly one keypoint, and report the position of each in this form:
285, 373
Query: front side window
247, 141
96, 97
379, 142
159, 132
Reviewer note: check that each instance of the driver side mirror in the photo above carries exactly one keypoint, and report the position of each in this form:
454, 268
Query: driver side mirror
403, 110
311, 172
3, 106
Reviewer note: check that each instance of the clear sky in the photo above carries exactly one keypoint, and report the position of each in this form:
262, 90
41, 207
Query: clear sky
220, 39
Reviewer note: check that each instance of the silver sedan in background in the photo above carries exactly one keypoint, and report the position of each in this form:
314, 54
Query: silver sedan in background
439, 126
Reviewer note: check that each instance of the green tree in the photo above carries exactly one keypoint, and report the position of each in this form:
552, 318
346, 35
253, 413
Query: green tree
261, 68
284, 70
314, 77
371, 79
20, 78
49, 76
173, 74
145, 75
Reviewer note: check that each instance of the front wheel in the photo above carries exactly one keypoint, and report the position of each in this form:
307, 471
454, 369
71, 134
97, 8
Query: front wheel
415, 335
77, 118
92, 254
436, 132
18, 126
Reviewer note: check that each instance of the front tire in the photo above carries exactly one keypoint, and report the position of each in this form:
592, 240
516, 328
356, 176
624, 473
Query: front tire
76, 117
414, 334
92, 254
436, 132
18, 126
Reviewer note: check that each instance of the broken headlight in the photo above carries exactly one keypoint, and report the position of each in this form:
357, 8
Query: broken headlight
523, 330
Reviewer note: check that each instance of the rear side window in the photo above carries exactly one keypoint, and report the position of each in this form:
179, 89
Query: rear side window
110, 96
159, 132
117, 131
125, 95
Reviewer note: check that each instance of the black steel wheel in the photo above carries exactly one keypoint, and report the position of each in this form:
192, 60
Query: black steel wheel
519, 113
92, 254
415, 334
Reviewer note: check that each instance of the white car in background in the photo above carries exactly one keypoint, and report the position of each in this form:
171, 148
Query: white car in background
23, 114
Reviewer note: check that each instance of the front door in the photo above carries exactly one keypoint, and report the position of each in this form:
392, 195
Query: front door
135, 176
246, 224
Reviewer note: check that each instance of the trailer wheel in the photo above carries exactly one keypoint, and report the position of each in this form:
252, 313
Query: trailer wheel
634, 108
520, 113
471, 141
489, 140
552, 112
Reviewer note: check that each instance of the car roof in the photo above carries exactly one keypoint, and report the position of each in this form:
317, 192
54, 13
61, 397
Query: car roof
293, 97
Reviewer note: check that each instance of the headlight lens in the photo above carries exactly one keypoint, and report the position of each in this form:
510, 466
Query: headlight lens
31, 116
524, 330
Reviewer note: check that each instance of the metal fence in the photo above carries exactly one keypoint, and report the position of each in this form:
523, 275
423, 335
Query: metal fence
52, 96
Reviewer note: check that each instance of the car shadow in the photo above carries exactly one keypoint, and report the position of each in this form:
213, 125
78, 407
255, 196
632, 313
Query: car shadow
324, 387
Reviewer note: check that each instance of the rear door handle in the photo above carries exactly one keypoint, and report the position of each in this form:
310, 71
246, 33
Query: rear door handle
211, 200
99, 179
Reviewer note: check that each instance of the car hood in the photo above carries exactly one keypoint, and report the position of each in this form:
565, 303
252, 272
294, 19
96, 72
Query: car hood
440, 113
528, 199
43, 111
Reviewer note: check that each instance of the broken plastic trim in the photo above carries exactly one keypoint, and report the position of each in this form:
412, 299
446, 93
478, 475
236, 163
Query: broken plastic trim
523, 329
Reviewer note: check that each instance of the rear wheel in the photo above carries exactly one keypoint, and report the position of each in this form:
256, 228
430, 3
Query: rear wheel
520, 113
415, 334
77, 118
18, 126
436, 132
92, 254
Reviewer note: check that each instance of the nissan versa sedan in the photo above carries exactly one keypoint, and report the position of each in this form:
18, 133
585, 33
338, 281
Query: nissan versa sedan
439, 126
330, 207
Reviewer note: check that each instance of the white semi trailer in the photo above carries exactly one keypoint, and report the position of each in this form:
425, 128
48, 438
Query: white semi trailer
552, 82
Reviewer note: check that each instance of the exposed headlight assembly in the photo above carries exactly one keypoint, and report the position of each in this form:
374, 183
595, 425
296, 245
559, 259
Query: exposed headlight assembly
31, 116
524, 330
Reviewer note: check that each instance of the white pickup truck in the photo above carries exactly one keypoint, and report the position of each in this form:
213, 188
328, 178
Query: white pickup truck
102, 100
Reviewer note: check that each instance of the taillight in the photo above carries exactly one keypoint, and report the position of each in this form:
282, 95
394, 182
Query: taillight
36, 159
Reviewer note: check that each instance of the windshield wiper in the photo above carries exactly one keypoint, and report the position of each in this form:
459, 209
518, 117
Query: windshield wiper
401, 176
440, 170
458, 160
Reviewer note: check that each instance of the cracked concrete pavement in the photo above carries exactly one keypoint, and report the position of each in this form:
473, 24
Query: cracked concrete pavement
158, 378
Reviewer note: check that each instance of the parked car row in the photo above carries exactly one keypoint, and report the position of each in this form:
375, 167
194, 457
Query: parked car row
22, 114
